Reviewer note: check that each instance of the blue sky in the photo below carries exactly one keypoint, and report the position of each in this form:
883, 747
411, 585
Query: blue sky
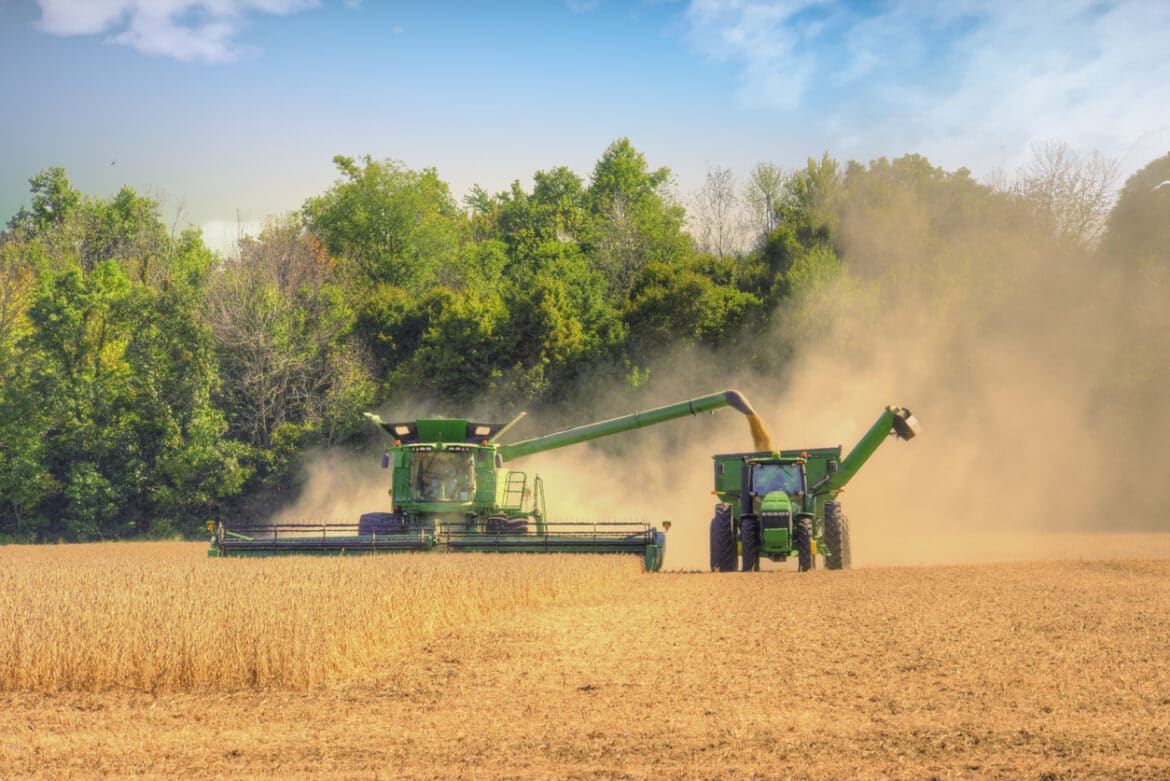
231, 110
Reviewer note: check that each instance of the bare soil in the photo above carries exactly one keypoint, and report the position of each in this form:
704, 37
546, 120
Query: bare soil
1046, 671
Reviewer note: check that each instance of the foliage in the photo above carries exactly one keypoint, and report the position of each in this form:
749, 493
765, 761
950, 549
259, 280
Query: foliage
281, 323
679, 304
147, 383
391, 224
1137, 231
106, 408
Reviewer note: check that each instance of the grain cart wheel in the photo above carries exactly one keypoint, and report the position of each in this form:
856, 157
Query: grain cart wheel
837, 537
802, 539
379, 523
749, 526
723, 555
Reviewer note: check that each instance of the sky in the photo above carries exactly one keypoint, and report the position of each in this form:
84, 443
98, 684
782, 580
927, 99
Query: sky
229, 111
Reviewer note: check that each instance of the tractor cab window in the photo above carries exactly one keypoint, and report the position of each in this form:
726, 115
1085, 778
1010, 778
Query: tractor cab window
767, 478
442, 476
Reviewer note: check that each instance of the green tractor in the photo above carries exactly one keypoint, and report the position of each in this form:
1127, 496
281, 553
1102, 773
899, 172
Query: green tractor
451, 491
779, 504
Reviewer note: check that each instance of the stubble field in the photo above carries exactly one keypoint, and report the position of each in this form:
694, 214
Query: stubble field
150, 660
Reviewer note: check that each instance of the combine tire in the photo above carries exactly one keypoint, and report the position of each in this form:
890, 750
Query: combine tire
802, 539
750, 533
837, 537
502, 524
379, 523
723, 554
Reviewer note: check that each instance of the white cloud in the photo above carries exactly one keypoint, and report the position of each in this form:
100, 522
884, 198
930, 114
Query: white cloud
185, 30
967, 82
766, 38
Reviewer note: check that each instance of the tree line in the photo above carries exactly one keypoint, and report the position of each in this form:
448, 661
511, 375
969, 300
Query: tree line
148, 383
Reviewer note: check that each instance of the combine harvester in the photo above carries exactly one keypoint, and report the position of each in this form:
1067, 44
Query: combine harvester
779, 504
450, 491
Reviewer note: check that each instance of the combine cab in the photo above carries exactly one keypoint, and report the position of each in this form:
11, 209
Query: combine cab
780, 504
451, 491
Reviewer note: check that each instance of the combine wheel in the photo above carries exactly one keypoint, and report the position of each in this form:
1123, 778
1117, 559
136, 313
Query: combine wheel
723, 554
802, 539
837, 537
502, 524
379, 523
750, 533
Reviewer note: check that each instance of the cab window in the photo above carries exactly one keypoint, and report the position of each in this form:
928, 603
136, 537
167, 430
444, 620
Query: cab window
442, 476
767, 478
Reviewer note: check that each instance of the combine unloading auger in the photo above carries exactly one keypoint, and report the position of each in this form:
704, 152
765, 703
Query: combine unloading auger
450, 490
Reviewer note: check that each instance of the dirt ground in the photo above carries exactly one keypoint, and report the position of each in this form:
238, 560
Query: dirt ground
1052, 670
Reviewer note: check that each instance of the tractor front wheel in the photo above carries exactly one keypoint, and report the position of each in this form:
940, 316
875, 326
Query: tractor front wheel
837, 537
723, 555
802, 540
749, 527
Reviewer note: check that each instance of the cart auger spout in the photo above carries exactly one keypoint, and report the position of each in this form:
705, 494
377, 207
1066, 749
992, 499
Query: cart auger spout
451, 491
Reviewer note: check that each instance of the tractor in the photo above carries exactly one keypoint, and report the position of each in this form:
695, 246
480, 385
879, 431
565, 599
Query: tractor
778, 504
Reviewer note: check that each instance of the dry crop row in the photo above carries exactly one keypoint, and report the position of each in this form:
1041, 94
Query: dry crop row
158, 616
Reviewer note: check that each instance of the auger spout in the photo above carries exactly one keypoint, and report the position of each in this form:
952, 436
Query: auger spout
591, 431
894, 421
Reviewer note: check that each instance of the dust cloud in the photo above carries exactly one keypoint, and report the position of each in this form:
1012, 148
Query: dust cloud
337, 487
1035, 368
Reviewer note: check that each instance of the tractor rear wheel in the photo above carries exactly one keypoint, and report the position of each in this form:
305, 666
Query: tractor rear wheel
802, 540
839, 555
749, 532
723, 555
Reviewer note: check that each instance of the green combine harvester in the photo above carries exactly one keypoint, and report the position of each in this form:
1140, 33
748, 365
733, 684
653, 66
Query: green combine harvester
451, 491
779, 504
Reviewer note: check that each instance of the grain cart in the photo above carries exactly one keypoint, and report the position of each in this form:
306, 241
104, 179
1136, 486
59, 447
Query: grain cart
783, 503
451, 491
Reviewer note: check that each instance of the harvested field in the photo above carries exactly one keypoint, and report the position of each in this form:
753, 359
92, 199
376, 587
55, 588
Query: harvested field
1049, 670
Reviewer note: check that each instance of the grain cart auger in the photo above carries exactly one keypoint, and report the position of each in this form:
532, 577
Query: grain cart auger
779, 504
450, 491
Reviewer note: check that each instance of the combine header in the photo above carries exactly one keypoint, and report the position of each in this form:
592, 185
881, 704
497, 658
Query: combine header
451, 491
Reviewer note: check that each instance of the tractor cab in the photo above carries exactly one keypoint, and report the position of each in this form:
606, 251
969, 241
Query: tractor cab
776, 486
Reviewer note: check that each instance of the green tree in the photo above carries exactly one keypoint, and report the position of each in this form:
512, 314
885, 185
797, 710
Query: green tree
53, 200
636, 220
127, 229
672, 304
458, 354
108, 417
810, 199
19, 259
561, 321
763, 194
391, 224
